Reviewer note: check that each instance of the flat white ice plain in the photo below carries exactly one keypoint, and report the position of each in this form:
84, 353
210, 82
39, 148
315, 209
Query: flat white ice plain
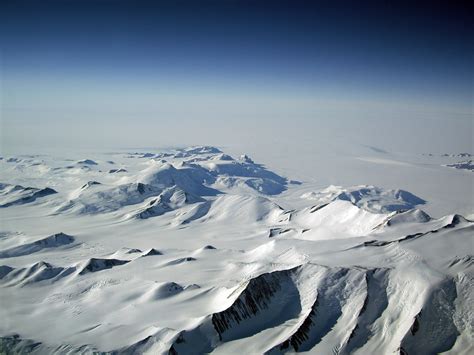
192, 251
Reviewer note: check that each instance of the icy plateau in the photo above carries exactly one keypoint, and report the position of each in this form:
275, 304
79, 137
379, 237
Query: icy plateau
192, 251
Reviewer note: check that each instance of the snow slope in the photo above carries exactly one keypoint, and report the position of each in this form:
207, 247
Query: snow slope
191, 251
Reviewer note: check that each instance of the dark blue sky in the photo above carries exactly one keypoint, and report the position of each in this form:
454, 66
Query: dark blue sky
397, 45
56, 52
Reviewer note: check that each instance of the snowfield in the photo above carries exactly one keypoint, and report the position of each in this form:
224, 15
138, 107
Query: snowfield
192, 251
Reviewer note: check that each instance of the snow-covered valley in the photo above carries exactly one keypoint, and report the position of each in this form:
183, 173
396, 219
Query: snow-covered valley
191, 251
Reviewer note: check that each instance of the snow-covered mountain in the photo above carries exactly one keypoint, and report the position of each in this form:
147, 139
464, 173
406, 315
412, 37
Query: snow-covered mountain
192, 251
465, 165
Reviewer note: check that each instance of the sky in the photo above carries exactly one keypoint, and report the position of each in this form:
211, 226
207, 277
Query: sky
108, 74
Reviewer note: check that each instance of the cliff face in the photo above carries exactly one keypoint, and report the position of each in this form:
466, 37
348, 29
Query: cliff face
265, 302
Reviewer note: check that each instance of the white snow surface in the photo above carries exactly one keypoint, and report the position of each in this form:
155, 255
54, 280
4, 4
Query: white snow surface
190, 251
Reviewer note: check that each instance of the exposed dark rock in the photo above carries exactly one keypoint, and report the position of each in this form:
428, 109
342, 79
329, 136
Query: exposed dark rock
87, 162
53, 241
95, 265
374, 305
256, 297
116, 171
317, 207
27, 194
152, 252
90, 183
375, 243
301, 335
278, 231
